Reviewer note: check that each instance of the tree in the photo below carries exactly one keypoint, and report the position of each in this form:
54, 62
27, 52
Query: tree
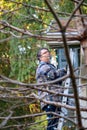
26, 16
23, 25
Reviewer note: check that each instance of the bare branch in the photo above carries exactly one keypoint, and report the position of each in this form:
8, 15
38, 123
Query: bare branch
6, 120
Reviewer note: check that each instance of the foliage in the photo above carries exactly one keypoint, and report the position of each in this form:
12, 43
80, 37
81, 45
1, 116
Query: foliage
18, 56
19, 110
66, 6
42, 123
18, 51
4, 57
84, 7
34, 108
22, 52
22, 60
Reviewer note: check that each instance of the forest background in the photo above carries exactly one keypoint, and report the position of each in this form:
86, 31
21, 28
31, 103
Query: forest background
23, 27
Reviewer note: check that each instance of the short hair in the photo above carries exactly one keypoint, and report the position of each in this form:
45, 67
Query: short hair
39, 52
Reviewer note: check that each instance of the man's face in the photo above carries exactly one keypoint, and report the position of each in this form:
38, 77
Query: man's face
45, 55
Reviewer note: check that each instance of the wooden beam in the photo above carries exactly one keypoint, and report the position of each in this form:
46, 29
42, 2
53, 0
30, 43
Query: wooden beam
56, 44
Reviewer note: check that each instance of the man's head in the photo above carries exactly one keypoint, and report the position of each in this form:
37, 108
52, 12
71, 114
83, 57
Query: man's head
44, 55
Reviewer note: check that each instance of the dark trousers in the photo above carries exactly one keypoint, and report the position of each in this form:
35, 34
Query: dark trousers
51, 122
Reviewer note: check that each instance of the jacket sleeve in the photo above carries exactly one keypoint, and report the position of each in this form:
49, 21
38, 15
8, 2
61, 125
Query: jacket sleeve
61, 73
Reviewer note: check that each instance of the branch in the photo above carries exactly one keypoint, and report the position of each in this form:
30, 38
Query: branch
79, 4
70, 64
6, 120
58, 103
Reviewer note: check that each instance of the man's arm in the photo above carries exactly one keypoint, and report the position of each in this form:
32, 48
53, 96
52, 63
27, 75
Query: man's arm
61, 72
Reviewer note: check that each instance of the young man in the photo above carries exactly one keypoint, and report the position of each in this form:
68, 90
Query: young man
48, 72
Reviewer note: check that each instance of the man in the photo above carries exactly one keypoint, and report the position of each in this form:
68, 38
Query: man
48, 72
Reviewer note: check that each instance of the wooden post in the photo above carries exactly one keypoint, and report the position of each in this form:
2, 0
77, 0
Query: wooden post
84, 59
81, 27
